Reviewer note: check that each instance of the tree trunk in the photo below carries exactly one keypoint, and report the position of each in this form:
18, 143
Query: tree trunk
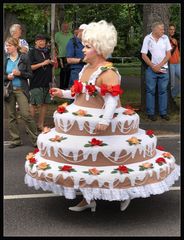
60, 11
152, 13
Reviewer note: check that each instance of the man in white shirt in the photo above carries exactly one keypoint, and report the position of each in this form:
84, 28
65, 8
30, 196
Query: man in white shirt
157, 43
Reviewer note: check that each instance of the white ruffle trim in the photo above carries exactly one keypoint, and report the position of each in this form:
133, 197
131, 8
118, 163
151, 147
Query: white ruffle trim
107, 194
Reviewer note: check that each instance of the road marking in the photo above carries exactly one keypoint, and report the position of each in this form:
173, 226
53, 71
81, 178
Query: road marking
7, 143
168, 136
44, 195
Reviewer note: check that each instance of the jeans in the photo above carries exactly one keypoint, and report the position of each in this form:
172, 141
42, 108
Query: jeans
74, 75
152, 79
175, 77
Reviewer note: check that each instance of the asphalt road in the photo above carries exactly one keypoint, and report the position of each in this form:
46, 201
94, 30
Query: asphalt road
40, 215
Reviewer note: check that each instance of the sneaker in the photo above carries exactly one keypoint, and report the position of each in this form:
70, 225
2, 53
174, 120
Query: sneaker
13, 145
166, 117
152, 117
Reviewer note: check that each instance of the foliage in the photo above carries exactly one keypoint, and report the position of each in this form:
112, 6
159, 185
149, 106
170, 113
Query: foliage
175, 15
34, 16
126, 17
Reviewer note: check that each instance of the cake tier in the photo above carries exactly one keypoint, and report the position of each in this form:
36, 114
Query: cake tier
71, 123
110, 183
114, 150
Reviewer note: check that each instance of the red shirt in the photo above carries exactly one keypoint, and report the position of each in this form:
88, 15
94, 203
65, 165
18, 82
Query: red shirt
175, 57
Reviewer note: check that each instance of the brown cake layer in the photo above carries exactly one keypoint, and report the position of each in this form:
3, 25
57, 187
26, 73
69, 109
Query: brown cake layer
74, 130
68, 182
100, 161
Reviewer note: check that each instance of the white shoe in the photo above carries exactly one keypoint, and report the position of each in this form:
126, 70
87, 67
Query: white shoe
92, 205
124, 204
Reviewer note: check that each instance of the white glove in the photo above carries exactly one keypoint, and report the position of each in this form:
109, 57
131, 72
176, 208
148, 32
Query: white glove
109, 109
67, 94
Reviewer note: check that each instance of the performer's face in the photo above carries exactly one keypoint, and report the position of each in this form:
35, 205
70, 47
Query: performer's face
89, 52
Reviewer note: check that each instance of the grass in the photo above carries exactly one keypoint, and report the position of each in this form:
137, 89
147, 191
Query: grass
130, 69
132, 98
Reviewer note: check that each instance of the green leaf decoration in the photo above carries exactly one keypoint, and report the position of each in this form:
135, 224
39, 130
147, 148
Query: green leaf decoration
49, 167
75, 114
88, 115
86, 172
141, 168
114, 171
95, 94
101, 116
63, 138
130, 170
87, 145
115, 115
103, 144
73, 170
31, 165
103, 69
52, 140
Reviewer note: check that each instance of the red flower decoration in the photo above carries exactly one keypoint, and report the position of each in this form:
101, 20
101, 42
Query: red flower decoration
160, 148
123, 169
35, 150
160, 161
32, 160
76, 88
61, 109
96, 142
91, 89
66, 168
114, 90
150, 133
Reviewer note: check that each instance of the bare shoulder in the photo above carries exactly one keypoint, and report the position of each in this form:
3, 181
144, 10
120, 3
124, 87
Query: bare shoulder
110, 77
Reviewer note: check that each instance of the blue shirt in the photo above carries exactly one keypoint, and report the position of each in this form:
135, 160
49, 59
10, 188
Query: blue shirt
74, 50
16, 82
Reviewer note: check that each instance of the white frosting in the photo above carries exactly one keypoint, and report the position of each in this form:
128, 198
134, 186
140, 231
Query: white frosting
74, 144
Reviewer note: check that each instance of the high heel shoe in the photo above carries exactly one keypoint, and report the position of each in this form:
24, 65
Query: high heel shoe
92, 205
124, 204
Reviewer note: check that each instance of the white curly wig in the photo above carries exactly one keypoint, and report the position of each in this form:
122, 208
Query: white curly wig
102, 36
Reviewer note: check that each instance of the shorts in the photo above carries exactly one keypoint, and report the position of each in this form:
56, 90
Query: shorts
39, 96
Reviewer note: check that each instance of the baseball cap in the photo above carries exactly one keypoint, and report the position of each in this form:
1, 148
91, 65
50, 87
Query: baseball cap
83, 26
40, 37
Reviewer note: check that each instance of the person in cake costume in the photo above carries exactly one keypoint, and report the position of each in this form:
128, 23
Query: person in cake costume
96, 146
